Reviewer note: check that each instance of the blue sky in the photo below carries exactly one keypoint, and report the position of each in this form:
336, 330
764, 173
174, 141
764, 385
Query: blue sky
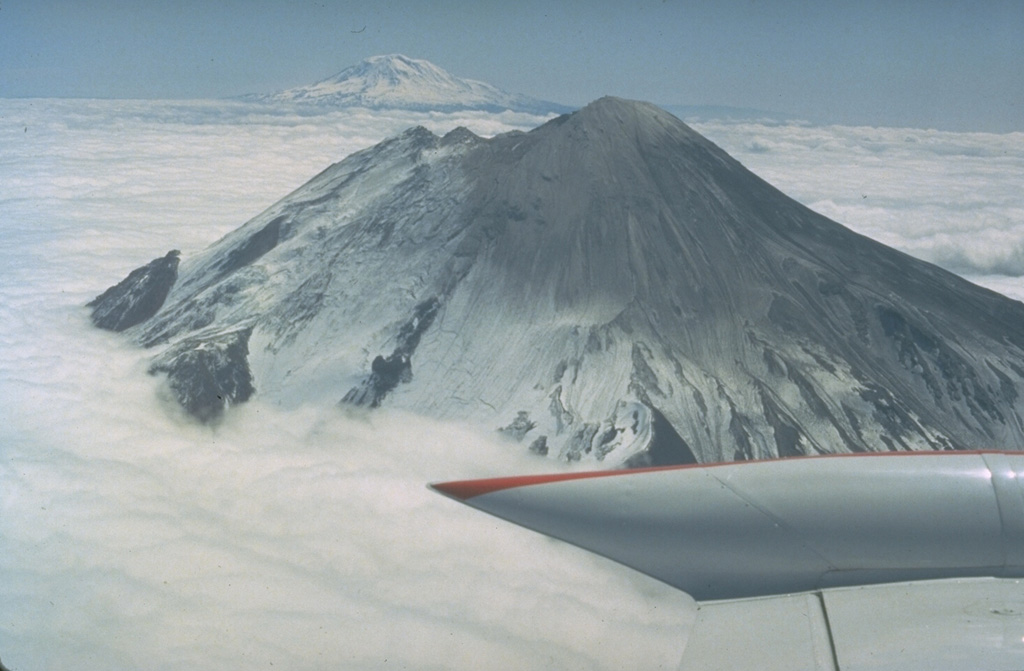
935, 63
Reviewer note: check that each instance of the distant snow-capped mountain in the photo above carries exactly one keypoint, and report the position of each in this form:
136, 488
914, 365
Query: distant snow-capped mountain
398, 82
610, 287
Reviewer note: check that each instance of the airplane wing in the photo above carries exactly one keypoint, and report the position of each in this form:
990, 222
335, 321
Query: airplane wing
970, 624
846, 562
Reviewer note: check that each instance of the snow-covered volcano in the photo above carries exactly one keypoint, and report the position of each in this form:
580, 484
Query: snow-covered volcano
397, 82
610, 286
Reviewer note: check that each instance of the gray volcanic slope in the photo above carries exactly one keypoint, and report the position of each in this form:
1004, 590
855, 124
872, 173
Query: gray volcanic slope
610, 286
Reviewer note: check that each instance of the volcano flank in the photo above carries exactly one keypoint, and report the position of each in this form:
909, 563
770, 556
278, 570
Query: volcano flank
609, 287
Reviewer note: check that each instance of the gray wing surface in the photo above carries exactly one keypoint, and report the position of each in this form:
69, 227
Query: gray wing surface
874, 561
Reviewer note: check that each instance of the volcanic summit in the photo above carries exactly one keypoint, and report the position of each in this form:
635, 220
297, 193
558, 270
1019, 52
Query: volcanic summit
394, 81
610, 286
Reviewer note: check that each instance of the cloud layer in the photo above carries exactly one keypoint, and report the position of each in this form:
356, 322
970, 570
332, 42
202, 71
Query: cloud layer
303, 539
950, 198
306, 538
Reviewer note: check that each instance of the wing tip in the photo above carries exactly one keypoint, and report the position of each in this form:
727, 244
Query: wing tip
463, 490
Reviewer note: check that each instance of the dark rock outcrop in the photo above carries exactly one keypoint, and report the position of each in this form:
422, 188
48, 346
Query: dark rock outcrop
137, 297
667, 447
387, 372
209, 374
